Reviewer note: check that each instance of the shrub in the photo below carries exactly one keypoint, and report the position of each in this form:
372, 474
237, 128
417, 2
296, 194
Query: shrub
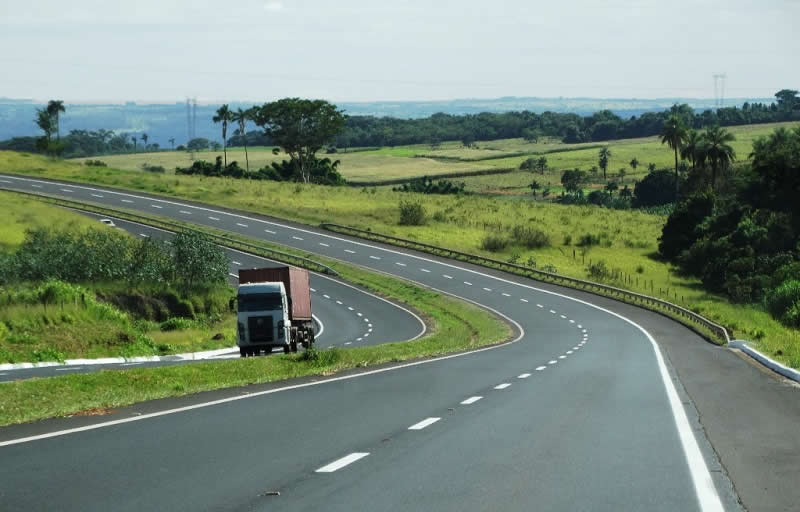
176, 323
493, 242
411, 213
588, 240
439, 216
531, 238
159, 169
784, 303
598, 271
95, 163
567, 239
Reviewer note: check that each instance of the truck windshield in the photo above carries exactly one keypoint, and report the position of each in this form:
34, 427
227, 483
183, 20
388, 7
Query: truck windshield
260, 302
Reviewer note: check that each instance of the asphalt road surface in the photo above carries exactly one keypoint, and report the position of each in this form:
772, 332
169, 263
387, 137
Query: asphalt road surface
595, 405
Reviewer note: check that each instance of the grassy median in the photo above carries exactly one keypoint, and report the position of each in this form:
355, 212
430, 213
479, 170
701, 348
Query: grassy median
453, 326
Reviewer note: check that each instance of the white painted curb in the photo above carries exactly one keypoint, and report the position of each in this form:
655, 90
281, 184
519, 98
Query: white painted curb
190, 356
775, 366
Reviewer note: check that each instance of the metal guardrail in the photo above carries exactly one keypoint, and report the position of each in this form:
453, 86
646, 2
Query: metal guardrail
600, 289
224, 241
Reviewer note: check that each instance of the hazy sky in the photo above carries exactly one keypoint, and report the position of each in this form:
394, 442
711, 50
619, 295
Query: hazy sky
363, 50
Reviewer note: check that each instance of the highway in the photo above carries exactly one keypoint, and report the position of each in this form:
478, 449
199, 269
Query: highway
595, 405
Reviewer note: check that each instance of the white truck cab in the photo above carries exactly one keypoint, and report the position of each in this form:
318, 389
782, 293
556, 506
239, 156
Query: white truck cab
262, 317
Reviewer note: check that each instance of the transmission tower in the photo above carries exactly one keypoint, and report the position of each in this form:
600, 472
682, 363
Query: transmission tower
719, 89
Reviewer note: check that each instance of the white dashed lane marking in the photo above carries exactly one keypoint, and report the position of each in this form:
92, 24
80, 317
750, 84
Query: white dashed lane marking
563, 316
425, 270
340, 463
562, 357
67, 190
93, 195
471, 400
540, 368
350, 308
268, 231
348, 250
327, 296
502, 386
523, 300
552, 362
339, 302
375, 257
467, 283
401, 264
569, 352
241, 225
539, 306
324, 244
185, 212
142, 234
552, 311
524, 376
213, 218
506, 295
572, 321
126, 200
488, 289
39, 186
446, 276
297, 238
156, 206
424, 423
235, 262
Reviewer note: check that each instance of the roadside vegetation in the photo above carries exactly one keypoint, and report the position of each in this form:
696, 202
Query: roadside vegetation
454, 326
71, 287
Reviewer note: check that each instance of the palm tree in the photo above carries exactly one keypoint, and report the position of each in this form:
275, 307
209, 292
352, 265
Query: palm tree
673, 134
224, 116
240, 117
133, 138
634, 163
53, 109
605, 155
172, 142
691, 148
717, 149
144, 139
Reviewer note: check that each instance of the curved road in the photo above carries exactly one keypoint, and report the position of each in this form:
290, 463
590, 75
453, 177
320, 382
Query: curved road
345, 316
582, 412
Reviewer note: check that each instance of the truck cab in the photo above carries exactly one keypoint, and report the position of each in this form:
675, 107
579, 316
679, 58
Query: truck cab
263, 318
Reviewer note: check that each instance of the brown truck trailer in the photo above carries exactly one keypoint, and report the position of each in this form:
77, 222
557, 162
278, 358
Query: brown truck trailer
298, 289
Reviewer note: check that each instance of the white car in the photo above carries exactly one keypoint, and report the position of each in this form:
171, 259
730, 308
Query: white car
108, 222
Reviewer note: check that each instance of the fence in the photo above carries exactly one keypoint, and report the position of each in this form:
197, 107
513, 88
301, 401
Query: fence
685, 315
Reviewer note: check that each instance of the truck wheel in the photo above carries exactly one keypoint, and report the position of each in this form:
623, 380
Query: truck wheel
285, 349
293, 346
242, 352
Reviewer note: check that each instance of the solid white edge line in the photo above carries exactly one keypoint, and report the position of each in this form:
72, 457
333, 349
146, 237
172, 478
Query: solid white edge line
471, 400
424, 423
704, 486
340, 463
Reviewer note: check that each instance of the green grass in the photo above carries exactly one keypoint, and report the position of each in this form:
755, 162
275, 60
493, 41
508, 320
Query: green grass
457, 326
451, 157
35, 332
629, 237
20, 214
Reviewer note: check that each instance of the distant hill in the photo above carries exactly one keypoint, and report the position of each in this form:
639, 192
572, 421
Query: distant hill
164, 121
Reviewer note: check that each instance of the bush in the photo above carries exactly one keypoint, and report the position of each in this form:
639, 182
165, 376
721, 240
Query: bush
159, 169
784, 303
411, 213
655, 189
531, 238
176, 324
95, 163
494, 242
599, 271
588, 240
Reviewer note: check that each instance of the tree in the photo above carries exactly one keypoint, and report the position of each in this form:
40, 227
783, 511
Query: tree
144, 138
198, 261
634, 163
468, 141
717, 150
787, 100
224, 115
172, 142
673, 134
572, 180
197, 144
531, 135
45, 121
54, 108
541, 164
611, 188
133, 138
301, 128
240, 117
692, 146
655, 189
604, 156
534, 186
621, 174
651, 167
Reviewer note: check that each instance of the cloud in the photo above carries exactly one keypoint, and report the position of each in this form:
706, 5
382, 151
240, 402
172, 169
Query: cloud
273, 6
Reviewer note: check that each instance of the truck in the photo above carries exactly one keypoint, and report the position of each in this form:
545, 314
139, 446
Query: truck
274, 310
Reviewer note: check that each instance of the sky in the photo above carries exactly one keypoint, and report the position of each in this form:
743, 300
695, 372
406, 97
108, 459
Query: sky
374, 50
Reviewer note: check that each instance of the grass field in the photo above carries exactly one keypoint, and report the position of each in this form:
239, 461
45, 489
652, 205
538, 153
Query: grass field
628, 239
453, 157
